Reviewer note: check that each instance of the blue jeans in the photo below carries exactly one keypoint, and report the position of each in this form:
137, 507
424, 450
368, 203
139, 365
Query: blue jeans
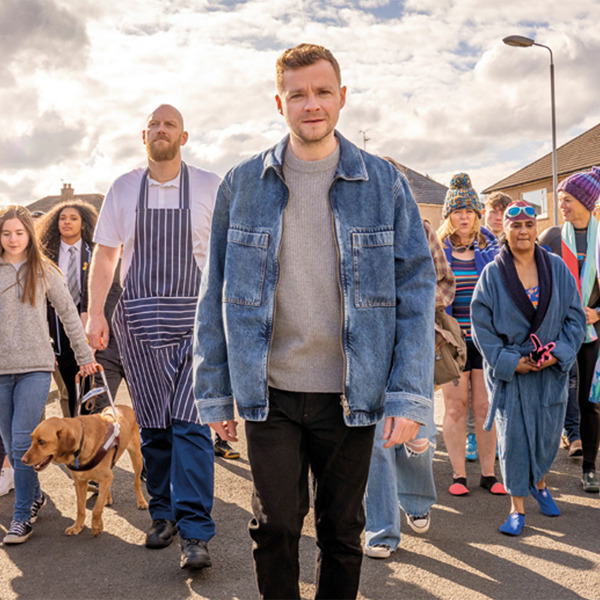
397, 481
22, 401
179, 463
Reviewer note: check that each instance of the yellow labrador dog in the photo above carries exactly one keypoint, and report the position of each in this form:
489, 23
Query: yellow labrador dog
89, 448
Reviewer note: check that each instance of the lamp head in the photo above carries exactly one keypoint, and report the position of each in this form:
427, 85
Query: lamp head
519, 41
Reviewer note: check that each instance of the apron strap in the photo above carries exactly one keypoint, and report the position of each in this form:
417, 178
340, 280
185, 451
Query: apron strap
184, 189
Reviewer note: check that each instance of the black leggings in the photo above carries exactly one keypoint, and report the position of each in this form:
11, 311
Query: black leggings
590, 411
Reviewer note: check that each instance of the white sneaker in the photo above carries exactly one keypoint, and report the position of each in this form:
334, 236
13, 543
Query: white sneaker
7, 480
378, 551
419, 524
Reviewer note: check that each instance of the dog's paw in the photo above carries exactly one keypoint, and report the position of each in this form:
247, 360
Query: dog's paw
97, 528
142, 504
74, 529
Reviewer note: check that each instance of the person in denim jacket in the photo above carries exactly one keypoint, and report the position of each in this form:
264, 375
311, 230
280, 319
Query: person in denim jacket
316, 312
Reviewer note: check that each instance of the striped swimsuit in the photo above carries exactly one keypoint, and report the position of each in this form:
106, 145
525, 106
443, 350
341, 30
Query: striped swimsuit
466, 277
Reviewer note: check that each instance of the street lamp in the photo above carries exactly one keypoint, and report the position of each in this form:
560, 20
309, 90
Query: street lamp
524, 42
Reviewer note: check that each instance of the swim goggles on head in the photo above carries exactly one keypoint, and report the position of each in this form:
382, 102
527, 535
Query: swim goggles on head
515, 211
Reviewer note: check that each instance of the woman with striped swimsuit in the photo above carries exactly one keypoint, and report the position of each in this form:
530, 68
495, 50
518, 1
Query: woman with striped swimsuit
468, 247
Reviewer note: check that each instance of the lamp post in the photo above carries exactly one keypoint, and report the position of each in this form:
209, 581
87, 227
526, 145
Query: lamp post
524, 42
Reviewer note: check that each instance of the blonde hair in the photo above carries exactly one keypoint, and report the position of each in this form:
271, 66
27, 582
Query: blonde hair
36, 264
447, 231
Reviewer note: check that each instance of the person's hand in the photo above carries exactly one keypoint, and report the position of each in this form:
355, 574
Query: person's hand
548, 363
526, 365
227, 430
88, 369
397, 430
591, 316
97, 332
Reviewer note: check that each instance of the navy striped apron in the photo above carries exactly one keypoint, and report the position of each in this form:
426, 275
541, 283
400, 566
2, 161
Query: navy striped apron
154, 319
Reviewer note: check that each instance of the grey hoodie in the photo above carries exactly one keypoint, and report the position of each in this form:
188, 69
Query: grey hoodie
25, 344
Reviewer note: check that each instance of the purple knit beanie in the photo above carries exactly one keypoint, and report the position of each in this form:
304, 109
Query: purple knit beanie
461, 194
584, 186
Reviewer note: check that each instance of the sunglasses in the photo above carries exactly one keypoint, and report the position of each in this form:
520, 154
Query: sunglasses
515, 211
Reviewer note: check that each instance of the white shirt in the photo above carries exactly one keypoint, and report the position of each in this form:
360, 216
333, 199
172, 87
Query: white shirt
116, 222
64, 257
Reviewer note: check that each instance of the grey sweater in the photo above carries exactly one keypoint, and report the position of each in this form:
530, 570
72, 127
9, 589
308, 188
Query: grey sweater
306, 354
25, 344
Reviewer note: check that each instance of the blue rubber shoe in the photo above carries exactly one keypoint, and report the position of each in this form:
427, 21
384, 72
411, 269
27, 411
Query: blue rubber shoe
546, 502
514, 524
471, 447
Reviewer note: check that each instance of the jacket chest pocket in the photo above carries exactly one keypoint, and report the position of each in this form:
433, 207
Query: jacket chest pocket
373, 266
245, 266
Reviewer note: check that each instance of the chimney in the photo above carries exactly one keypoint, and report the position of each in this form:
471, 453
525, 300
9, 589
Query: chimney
67, 192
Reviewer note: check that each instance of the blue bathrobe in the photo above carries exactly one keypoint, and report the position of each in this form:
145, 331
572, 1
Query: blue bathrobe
528, 408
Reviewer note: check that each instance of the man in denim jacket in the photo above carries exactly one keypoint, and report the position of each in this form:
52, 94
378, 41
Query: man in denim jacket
316, 312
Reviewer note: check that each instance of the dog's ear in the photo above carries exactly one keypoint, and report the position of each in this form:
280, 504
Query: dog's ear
67, 444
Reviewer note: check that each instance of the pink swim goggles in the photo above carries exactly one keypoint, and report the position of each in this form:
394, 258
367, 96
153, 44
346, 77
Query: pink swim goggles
540, 354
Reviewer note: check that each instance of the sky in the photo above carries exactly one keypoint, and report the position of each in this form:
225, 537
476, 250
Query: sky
430, 82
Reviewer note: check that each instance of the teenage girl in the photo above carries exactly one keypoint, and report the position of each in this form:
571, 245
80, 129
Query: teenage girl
27, 280
68, 228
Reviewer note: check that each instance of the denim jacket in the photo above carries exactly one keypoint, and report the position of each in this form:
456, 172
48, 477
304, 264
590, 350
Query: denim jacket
387, 290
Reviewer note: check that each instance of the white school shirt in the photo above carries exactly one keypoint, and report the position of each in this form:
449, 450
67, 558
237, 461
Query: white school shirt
64, 257
116, 222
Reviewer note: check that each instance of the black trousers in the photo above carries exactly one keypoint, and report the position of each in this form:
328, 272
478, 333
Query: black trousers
589, 424
68, 367
110, 360
305, 431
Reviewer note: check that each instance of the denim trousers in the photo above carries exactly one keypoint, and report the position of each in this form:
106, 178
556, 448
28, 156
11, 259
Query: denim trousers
306, 431
397, 481
180, 467
22, 401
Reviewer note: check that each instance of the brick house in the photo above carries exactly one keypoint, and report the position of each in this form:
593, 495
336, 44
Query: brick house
533, 183
428, 193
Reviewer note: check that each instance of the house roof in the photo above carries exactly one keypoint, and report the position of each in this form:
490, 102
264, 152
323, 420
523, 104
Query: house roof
67, 193
579, 154
424, 189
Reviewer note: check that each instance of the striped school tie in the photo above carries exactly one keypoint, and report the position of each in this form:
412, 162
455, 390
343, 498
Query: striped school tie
72, 280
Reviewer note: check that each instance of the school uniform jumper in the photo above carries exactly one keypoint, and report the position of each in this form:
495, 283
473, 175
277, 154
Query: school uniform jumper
154, 322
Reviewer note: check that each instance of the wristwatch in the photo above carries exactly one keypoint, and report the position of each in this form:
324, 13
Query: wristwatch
598, 311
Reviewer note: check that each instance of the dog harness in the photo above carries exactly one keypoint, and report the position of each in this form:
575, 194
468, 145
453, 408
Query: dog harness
111, 440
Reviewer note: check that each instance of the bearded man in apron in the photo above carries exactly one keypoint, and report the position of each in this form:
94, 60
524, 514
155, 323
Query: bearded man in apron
161, 217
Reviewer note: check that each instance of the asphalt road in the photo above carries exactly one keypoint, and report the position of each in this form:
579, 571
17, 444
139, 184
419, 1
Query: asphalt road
462, 556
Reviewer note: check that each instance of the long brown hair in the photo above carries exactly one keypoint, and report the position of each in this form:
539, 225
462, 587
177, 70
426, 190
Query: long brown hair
36, 264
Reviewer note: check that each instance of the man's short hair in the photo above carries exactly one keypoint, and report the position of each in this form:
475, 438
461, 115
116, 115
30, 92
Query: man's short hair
498, 201
304, 55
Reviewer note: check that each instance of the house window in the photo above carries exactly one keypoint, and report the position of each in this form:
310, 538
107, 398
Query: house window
538, 200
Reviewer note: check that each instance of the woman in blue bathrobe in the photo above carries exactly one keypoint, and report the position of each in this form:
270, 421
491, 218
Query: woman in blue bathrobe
526, 291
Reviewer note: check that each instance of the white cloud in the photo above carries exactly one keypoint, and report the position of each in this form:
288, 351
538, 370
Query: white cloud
430, 80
